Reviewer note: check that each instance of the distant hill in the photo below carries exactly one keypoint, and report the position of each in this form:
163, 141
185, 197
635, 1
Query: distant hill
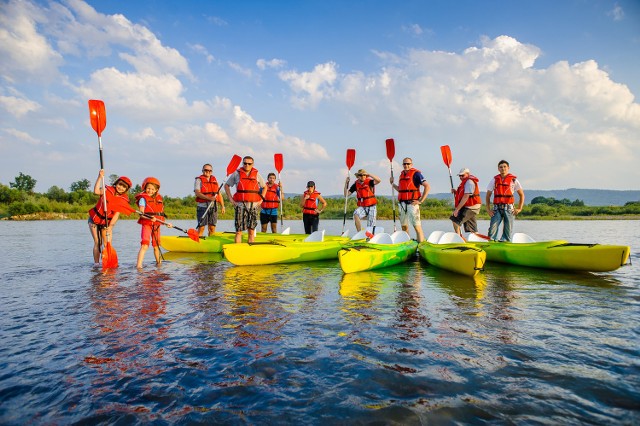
590, 197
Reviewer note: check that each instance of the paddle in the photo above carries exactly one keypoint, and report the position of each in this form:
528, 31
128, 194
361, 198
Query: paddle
351, 158
446, 157
391, 152
231, 167
98, 118
279, 163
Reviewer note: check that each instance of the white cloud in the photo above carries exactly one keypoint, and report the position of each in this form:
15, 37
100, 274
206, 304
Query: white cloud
616, 13
311, 87
22, 136
272, 63
25, 54
240, 69
413, 29
18, 106
200, 49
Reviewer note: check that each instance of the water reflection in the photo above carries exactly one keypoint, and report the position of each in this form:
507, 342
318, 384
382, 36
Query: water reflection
192, 258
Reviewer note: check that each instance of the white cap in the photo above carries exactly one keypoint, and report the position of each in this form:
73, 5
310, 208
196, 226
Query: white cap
463, 171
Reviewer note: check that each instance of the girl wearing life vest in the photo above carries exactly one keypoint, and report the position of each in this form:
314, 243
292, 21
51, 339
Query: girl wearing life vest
207, 191
410, 182
150, 203
503, 186
365, 190
270, 204
467, 203
247, 199
310, 211
101, 223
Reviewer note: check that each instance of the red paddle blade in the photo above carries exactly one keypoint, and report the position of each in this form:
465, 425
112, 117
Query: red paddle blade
233, 164
279, 162
119, 204
391, 149
109, 257
98, 115
193, 234
351, 157
446, 154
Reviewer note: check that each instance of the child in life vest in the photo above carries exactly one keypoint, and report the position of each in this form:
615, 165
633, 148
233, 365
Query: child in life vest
100, 223
150, 203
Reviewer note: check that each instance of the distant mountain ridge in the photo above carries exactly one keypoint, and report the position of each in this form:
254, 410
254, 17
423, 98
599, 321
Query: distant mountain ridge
590, 197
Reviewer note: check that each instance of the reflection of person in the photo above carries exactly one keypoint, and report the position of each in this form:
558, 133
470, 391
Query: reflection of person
150, 203
409, 184
247, 198
365, 190
503, 186
98, 220
272, 200
467, 203
207, 191
310, 211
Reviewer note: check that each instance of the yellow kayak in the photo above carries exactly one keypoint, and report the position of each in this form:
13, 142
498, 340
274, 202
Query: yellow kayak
461, 258
380, 252
314, 247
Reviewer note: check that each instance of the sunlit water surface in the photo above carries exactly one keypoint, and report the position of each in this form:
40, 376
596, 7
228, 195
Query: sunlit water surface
200, 340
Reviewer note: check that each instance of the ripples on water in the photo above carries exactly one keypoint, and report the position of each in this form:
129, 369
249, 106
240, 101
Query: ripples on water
199, 340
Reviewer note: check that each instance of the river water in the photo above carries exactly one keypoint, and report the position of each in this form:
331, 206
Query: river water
198, 340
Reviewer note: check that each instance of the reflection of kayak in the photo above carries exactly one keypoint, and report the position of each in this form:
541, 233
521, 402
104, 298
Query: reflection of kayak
192, 258
558, 254
380, 252
461, 258
272, 252
214, 243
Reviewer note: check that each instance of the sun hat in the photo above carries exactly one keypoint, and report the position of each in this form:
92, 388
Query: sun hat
361, 172
463, 171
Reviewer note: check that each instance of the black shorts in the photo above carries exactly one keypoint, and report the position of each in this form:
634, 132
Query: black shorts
467, 218
268, 218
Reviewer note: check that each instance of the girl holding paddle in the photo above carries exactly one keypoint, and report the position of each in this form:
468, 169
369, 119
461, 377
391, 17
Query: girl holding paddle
150, 203
101, 223
310, 211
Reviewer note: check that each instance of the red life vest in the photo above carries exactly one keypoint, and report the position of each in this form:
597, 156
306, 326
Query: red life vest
503, 191
248, 188
407, 190
153, 207
473, 199
311, 203
365, 193
208, 187
271, 199
97, 213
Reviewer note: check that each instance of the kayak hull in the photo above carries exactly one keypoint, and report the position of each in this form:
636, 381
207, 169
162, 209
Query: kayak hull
461, 258
215, 242
275, 252
357, 257
558, 254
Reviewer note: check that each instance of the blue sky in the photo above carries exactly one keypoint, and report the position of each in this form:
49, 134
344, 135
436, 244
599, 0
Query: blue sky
550, 86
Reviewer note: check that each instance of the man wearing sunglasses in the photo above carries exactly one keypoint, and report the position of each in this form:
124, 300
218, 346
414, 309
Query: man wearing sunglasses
247, 199
409, 196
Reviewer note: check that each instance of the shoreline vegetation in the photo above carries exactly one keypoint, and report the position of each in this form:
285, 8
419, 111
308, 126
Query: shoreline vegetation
60, 205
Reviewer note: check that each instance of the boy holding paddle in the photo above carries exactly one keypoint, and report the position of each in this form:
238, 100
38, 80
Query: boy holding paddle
365, 190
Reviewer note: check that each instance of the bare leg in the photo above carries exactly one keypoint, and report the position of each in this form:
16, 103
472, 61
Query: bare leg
141, 253
356, 220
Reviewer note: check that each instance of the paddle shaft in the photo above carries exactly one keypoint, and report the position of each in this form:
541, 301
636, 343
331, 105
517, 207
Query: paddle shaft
161, 222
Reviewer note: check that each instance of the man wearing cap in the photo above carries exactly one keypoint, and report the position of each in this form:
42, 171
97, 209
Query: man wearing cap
410, 182
310, 211
503, 186
467, 203
364, 187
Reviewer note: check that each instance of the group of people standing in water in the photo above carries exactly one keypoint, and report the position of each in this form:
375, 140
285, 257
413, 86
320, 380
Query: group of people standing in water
255, 198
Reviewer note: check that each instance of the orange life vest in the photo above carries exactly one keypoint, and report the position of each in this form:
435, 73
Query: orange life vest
407, 190
271, 199
153, 207
248, 188
473, 199
97, 213
311, 203
366, 193
208, 187
503, 191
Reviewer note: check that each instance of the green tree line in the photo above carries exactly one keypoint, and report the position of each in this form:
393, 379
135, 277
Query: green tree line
18, 200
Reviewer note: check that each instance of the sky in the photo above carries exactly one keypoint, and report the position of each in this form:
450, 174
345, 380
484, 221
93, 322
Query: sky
550, 86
